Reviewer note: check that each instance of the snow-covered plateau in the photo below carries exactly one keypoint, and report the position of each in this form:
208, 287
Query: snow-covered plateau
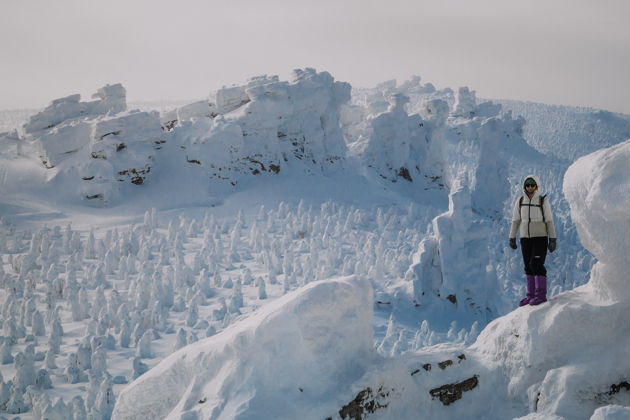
303, 249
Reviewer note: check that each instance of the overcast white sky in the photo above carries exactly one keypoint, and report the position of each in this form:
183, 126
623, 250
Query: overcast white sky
573, 52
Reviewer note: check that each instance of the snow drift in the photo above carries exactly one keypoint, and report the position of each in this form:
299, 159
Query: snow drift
286, 361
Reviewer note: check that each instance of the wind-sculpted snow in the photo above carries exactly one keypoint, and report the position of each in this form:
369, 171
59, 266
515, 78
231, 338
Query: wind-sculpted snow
286, 361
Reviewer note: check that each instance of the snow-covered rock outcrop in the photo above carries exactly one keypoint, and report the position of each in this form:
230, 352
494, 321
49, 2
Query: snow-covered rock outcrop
569, 356
437, 139
267, 124
288, 360
92, 146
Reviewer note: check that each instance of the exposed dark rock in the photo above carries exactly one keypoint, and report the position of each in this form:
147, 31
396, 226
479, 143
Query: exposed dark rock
169, 125
137, 180
113, 133
92, 197
47, 164
452, 299
274, 168
448, 394
443, 365
415, 371
404, 173
262, 166
364, 403
461, 357
192, 160
88, 178
98, 155
616, 388
120, 147
427, 367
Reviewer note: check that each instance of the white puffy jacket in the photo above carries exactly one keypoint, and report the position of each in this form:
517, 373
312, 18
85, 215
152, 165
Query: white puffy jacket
528, 215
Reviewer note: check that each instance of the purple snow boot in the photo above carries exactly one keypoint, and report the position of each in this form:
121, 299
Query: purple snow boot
531, 281
541, 291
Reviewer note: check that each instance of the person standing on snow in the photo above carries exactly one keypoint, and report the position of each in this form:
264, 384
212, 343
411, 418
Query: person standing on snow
532, 213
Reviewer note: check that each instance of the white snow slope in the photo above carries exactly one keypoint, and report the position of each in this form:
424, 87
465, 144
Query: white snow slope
340, 249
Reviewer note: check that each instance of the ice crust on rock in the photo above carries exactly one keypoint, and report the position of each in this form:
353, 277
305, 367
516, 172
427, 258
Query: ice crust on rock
286, 360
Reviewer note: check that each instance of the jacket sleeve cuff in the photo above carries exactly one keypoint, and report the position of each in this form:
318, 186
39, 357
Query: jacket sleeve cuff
514, 229
551, 230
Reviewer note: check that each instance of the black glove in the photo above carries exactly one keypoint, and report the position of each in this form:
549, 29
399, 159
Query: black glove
513, 243
552, 244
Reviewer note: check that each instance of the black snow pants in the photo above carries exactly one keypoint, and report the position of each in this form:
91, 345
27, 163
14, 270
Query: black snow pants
534, 254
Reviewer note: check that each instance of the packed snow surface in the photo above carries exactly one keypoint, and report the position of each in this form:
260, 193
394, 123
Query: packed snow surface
302, 249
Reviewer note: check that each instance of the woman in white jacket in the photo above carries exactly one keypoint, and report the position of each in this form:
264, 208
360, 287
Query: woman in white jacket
532, 214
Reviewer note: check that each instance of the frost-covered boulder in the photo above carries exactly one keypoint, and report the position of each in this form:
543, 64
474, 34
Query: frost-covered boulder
286, 360
568, 356
65, 126
96, 145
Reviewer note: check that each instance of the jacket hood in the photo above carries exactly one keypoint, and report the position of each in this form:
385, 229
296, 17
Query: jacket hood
535, 178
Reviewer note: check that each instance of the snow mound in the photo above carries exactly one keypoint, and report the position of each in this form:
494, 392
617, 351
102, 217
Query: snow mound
287, 360
598, 189
560, 354
611, 412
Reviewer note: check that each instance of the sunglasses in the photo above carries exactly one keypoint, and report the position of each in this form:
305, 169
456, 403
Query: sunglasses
530, 185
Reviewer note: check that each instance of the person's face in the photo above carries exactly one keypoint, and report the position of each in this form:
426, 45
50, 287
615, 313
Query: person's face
530, 188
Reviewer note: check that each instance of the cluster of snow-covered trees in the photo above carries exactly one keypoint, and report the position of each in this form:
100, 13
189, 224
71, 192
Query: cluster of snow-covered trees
87, 307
